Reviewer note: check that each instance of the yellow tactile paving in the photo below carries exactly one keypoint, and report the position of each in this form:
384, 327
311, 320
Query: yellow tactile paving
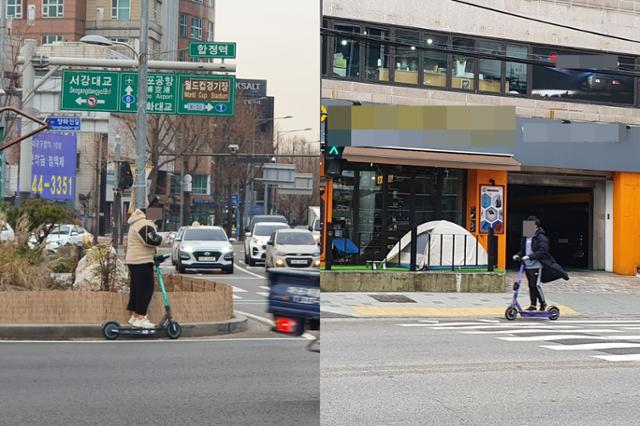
416, 311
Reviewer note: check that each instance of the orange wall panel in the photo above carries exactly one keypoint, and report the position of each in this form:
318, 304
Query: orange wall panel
626, 223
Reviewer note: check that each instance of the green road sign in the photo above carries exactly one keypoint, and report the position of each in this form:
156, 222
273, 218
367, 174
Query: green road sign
161, 93
212, 50
85, 90
213, 95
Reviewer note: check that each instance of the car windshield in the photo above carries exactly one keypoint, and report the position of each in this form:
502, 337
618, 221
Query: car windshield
295, 238
61, 230
266, 229
316, 225
204, 234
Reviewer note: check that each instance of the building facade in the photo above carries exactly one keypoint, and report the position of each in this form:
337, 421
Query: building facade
575, 136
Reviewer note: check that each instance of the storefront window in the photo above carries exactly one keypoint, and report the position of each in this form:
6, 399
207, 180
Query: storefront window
516, 73
489, 70
463, 66
346, 53
398, 209
406, 70
551, 82
343, 217
376, 56
370, 216
435, 62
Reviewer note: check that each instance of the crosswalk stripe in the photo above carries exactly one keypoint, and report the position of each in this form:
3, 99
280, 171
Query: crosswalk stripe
476, 327
602, 321
565, 337
235, 297
264, 287
592, 346
619, 358
262, 293
238, 290
542, 330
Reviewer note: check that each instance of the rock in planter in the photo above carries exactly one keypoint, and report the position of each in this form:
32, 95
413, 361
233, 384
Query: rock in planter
101, 270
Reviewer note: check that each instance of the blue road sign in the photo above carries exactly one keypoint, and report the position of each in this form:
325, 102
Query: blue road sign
64, 123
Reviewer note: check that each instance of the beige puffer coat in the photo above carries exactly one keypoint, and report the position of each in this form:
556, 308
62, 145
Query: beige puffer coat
142, 240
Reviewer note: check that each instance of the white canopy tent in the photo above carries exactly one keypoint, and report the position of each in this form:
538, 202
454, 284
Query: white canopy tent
440, 244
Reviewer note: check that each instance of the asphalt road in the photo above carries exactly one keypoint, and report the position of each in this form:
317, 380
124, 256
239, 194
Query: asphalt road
411, 372
235, 381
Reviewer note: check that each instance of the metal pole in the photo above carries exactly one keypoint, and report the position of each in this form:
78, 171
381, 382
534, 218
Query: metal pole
117, 209
182, 165
266, 198
28, 81
3, 27
141, 151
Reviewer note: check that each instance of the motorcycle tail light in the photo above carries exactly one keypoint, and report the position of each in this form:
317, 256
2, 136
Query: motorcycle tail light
286, 325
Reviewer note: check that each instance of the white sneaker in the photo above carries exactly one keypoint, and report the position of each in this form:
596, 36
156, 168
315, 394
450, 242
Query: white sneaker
144, 323
132, 320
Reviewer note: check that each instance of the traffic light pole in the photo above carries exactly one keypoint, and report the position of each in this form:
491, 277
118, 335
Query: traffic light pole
141, 145
117, 201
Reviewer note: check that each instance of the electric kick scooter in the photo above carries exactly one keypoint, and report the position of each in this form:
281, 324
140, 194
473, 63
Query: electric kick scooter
552, 312
111, 330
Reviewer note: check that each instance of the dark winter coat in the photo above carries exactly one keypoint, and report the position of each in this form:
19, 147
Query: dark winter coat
551, 270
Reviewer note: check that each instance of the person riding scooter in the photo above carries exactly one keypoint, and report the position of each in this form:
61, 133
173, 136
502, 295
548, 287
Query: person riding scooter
141, 247
540, 266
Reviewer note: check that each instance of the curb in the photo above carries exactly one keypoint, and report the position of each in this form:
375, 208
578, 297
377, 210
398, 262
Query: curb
77, 331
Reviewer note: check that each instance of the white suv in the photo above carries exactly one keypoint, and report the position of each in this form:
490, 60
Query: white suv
255, 245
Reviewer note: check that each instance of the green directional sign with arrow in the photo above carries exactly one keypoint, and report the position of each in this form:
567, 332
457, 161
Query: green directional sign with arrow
90, 90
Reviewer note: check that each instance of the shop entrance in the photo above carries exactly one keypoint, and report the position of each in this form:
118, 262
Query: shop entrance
566, 216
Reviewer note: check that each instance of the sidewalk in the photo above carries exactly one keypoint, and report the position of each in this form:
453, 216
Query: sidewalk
592, 294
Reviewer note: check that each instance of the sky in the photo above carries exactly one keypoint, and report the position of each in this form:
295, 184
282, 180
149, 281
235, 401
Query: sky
279, 41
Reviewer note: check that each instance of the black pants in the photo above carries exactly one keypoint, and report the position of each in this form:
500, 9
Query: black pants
535, 290
141, 288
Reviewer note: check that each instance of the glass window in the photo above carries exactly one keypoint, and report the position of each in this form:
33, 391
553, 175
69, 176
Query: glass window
370, 216
376, 55
463, 72
516, 73
435, 62
406, 69
489, 70
121, 9
51, 38
175, 184
52, 8
346, 53
61, 230
295, 238
551, 82
14, 9
204, 234
265, 229
209, 31
196, 28
343, 217
323, 50
183, 25
200, 184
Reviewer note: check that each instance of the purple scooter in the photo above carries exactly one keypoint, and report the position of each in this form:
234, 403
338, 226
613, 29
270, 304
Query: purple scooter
552, 312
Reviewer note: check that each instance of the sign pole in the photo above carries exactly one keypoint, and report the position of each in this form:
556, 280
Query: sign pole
117, 211
28, 81
141, 159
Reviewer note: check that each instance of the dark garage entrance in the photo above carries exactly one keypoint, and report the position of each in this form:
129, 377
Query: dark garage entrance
565, 213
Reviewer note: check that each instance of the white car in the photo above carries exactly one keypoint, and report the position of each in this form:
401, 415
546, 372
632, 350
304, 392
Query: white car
205, 247
175, 245
6, 232
292, 248
256, 243
65, 234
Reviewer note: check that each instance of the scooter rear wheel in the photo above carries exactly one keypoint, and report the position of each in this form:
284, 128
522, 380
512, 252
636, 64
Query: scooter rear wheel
511, 313
110, 330
174, 330
555, 313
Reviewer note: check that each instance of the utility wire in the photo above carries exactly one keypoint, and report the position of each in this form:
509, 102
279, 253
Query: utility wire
542, 21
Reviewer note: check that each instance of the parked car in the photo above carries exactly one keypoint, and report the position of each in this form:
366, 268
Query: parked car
66, 234
175, 244
292, 248
255, 244
205, 247
6, 232
263, 218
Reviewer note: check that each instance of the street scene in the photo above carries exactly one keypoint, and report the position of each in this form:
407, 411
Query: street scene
159, 213
479, 243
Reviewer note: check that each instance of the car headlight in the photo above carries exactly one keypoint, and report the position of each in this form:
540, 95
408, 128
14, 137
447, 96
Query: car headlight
279, 263
187, 249
256, 241
227, 249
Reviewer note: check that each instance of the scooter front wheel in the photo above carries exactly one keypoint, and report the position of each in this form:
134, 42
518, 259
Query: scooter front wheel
511, 313
554, 313
174, 330
110, 330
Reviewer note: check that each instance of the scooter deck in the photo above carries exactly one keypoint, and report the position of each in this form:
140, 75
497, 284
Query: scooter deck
128, 331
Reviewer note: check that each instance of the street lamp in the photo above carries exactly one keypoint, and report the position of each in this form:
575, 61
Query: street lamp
99, 40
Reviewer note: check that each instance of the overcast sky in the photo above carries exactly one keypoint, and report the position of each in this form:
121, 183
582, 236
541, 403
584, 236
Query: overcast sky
279, 41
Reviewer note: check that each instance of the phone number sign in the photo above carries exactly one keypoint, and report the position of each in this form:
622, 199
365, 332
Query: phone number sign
53, 169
